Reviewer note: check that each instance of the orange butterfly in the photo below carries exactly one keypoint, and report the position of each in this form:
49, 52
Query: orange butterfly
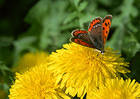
96, 35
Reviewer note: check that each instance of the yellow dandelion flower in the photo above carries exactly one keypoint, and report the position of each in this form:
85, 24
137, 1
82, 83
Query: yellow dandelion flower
116, 89
29, 60
36, 83
82, 67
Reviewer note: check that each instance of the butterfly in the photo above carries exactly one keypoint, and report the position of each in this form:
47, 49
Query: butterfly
96, 35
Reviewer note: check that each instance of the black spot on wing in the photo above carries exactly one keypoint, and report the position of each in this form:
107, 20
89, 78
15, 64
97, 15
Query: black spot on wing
105, 24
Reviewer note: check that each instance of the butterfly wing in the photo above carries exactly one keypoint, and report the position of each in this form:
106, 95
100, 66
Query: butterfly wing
106, 27
81, 37
97, 33
75, 33
81, 42
96, 37
81, 34
94, 22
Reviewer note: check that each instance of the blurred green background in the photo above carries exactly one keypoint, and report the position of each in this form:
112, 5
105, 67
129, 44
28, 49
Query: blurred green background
31, 25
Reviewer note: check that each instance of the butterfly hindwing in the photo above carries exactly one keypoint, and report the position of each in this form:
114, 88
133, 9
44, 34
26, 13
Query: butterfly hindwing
81, 42
82, 35
94, 22
77, 32
106, 26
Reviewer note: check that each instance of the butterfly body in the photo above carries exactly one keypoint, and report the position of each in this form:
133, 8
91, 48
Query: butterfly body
96, 35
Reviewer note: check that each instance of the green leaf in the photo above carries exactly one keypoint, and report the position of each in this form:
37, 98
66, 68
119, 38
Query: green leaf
84, 19
23, 44
106, 2
3, 68
130, 45
70, 17
117, 39
76, 2
82, 6
121, 39
5, 41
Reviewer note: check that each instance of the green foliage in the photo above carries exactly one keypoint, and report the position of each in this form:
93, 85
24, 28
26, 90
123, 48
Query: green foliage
51, 22
27, 43
3, 80
126, 40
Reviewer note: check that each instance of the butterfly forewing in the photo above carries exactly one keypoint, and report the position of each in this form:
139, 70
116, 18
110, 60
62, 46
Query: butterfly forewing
106, 27
94, 22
